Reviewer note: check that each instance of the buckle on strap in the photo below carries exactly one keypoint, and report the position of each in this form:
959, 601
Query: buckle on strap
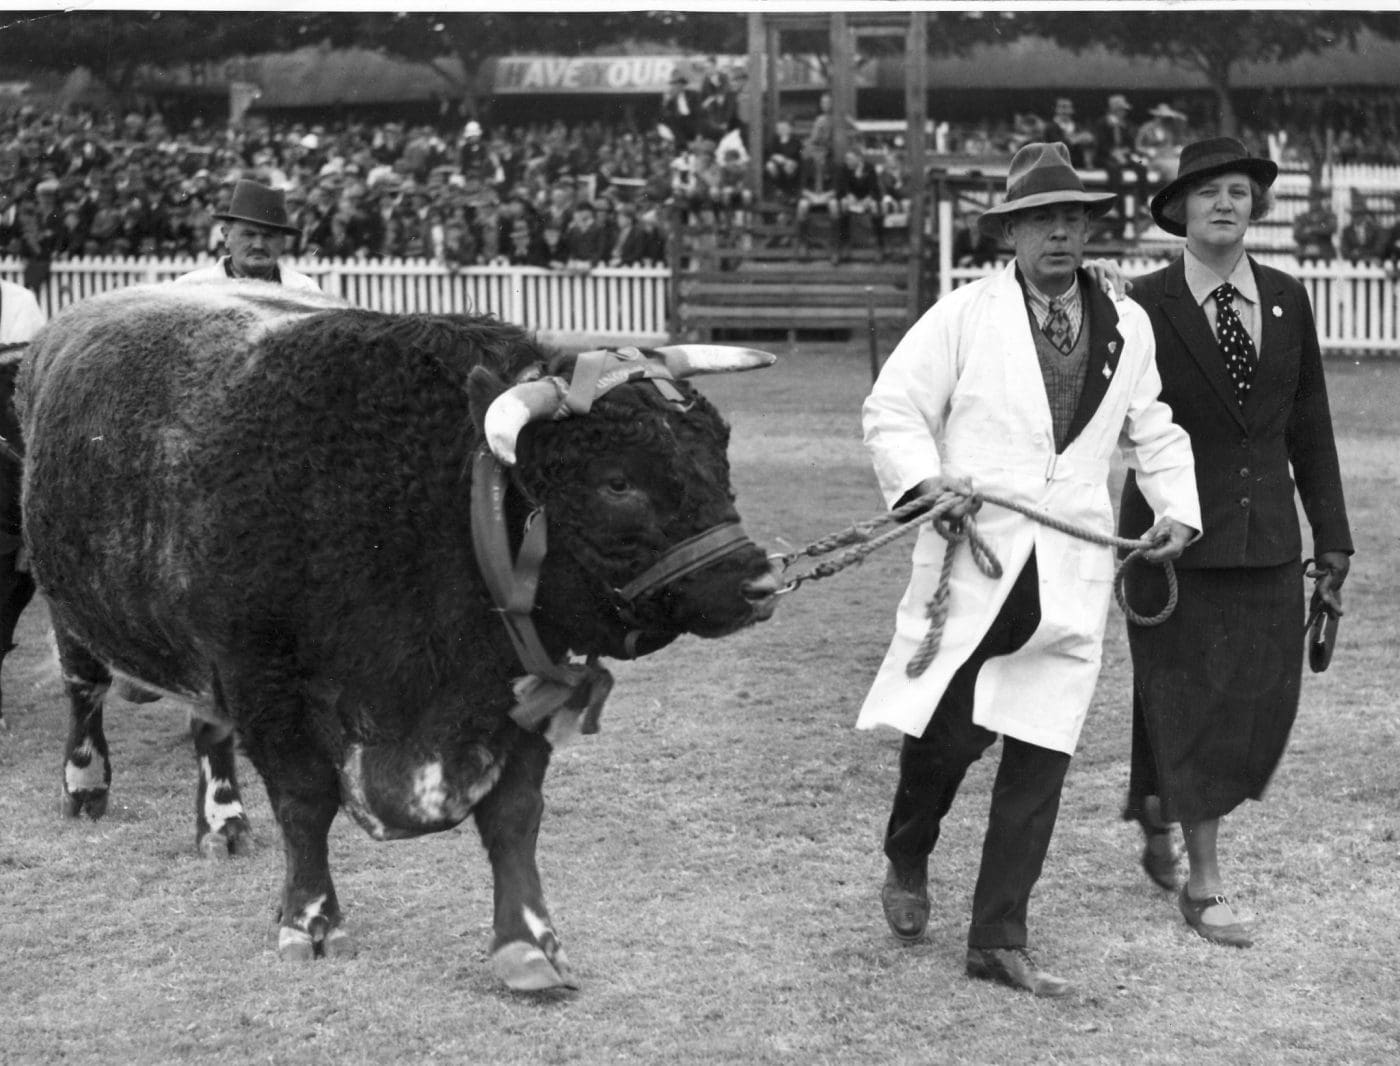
687, 557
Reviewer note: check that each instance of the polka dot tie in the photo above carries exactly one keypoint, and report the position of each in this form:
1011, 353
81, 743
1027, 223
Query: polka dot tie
1057, 326
1235, 345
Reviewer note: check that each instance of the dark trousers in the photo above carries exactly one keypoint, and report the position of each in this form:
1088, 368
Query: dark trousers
1025, 797
1142, 766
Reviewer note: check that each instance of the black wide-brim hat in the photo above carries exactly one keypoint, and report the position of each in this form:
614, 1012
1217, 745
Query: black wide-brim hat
259, 204
1041, 174
1205, 159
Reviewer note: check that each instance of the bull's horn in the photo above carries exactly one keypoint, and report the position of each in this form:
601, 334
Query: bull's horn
517, 407
682, 360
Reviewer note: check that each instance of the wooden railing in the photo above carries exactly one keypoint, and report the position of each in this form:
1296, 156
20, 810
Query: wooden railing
622, 302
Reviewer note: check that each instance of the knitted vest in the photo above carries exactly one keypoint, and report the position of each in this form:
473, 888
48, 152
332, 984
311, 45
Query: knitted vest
1063, 375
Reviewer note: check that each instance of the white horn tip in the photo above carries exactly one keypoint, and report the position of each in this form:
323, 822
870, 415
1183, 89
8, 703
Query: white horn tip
684, 359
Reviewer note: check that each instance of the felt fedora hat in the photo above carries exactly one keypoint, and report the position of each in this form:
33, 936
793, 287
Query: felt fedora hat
1205, 159
1041, 174
255, 202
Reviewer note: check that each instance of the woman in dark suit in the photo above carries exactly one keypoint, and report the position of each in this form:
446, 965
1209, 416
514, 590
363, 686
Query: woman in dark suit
1215, 688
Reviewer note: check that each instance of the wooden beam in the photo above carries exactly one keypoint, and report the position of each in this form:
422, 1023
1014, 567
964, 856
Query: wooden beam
916, 143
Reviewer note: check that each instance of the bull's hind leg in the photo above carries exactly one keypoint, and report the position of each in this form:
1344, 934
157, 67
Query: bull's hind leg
221, 824
16, 590
526, 953
87, 771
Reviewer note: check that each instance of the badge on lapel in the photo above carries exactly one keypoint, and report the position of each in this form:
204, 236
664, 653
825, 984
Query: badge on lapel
1278, 311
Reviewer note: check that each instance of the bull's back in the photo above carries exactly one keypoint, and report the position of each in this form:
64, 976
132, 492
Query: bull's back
115, 396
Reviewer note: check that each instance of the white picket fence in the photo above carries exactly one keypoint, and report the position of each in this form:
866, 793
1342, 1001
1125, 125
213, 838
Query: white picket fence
621, 302
1357, 306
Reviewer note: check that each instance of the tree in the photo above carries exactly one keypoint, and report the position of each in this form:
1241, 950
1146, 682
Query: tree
115, 46
1212, 43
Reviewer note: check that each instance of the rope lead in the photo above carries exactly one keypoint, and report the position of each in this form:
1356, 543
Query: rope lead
933, 508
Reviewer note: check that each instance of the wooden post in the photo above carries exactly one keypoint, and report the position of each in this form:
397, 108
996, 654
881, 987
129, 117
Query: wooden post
759, 118
916, 111
842, 61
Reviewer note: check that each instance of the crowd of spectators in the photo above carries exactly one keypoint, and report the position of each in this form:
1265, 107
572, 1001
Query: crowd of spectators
78, 183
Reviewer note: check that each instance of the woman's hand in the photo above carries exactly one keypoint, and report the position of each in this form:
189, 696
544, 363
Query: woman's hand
1333, 567
1109, 277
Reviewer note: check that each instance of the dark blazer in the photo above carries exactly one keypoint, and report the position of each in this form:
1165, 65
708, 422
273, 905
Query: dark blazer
1243, 456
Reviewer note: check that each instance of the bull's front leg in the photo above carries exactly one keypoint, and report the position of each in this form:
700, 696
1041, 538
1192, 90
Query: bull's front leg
525, 953
87, 770
221, 824
16, 590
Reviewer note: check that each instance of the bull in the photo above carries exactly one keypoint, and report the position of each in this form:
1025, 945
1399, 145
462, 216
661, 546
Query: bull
389, 551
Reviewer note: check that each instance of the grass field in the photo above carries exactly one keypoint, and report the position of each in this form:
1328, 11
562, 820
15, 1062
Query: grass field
712, 858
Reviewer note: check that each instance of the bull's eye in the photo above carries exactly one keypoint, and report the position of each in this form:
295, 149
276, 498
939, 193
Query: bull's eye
618, 483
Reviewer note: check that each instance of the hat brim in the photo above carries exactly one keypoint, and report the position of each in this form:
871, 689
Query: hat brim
224, 217
1096, 203
1263, 171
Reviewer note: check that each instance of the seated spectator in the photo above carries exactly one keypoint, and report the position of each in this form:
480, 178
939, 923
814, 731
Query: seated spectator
524, 245
1159, 141
858, 192
582, 243
782, 167
552, 245
1062, 127
1313, 229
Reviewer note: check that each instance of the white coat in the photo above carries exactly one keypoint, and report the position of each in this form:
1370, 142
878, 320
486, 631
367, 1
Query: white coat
962, 396
292, 279
20, 314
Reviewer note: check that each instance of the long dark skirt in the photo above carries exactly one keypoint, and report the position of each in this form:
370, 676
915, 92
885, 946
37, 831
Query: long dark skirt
1218, 681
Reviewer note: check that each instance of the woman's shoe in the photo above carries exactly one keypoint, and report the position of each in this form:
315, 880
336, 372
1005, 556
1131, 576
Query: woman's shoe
1232, 934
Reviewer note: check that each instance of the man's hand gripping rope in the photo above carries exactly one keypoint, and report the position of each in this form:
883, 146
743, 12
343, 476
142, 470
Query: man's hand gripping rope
951, 507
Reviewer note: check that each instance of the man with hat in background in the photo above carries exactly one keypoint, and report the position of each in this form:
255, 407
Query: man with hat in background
1023, 385
255, 231
1115, 151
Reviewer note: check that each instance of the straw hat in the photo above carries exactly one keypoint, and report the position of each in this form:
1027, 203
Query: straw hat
1041, 174
259, 204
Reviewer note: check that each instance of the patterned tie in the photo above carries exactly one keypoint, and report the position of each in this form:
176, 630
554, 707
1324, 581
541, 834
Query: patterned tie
1057, 326
1235, 345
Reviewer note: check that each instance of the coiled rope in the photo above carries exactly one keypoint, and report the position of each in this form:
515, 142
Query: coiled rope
863, 538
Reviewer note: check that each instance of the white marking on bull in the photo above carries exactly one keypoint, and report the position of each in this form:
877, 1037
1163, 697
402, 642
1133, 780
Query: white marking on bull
563, 727
310, 912
483, 784
216, 813
429, 793
539, 926
80, 778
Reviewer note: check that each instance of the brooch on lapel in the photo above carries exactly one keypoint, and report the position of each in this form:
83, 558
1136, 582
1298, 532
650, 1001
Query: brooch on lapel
1112, 347
1278, 311
1107, 371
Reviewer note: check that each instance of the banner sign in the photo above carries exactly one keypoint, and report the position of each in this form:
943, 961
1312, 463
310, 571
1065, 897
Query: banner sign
506, 75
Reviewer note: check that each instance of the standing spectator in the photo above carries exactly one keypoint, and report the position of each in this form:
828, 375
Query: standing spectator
1314, 228
1215, 686
40, 226
255, 231
680, 110
1159, 140
818, 148
1115, 150
1063, 128
1362, 238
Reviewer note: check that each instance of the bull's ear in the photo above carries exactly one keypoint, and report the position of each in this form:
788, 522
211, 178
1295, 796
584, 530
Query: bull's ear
482, 388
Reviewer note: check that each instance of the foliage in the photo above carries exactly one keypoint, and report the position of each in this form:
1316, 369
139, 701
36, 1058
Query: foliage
1213, 43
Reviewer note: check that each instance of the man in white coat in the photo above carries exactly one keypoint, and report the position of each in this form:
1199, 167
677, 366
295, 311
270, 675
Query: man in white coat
1022, 385
256, 228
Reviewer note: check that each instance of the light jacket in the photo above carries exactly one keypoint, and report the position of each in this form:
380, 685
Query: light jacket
962, 396
292, 279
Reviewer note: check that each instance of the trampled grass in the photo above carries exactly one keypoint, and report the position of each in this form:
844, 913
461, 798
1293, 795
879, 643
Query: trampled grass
712, 857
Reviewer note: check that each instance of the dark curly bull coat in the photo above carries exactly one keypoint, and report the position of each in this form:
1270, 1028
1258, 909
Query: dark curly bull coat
259, 503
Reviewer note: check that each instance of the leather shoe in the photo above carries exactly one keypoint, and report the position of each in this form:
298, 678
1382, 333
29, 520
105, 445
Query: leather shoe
1016, 968
1159, 857
1232, 934
904, 898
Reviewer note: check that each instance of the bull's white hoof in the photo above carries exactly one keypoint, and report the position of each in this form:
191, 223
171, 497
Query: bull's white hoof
524, 967
214, 847
293, 945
